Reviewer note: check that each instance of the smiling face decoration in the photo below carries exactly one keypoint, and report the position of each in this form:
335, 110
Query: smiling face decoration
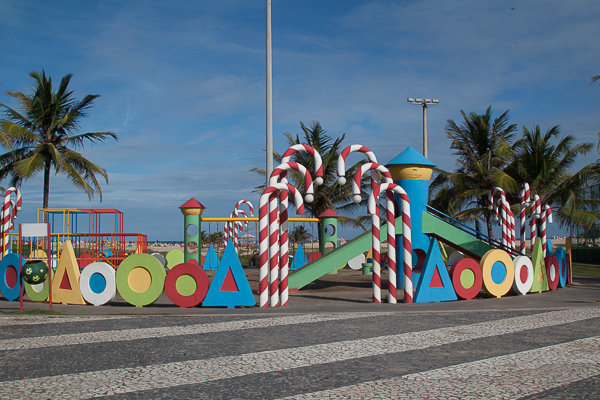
411, 172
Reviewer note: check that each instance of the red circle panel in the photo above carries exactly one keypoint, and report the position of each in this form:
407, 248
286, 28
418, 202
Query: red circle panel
201, 284
455, 272
552, 263
11, 276
524, 273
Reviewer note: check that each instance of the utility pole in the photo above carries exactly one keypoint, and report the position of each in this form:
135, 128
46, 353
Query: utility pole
269, 168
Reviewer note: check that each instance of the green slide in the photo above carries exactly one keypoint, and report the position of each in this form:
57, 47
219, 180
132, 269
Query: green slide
454, 237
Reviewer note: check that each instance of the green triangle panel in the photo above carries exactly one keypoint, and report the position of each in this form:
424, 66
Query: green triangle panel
300, 259
540, 279
435, 284
220, 293
211, 261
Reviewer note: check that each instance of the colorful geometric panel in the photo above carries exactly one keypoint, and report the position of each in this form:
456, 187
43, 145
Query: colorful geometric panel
435, 284
229, 277
466, 278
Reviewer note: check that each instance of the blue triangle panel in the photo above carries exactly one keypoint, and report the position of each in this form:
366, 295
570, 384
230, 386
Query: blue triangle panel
299, 260
211, 261
433, 261
549, 251
217, 298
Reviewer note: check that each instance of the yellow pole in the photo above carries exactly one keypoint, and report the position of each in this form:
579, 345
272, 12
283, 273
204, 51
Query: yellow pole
215, 219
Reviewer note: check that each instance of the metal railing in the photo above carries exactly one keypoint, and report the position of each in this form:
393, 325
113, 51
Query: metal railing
471, 231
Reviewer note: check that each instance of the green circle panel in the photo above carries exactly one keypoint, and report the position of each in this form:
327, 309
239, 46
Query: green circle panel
41, 295
467, 278
157, 272
186, 285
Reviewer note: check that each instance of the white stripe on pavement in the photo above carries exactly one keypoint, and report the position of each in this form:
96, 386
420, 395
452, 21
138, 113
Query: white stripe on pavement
128, 380
72, 339
37, 320
505, 377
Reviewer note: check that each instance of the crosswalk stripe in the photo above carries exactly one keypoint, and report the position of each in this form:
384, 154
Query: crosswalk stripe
134, 379
160, 332
504, 377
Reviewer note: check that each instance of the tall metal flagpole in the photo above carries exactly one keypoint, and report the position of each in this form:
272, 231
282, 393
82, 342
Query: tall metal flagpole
269, 168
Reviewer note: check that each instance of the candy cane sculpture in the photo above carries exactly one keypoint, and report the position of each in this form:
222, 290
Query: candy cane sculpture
268, 244
525, 199
341, 161
503, 222
375, 220
508, 222
358, 178
391, 237
406, 231
7, 216
248, 203
287, 156
278, 173
546, 214
237, 208
238, 226
535, 213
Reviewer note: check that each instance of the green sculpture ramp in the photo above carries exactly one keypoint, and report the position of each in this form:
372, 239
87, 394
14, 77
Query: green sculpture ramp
337, 257
447, 233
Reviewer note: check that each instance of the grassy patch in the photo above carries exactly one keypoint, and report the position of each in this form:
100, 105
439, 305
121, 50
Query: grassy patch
586, 270
36, 312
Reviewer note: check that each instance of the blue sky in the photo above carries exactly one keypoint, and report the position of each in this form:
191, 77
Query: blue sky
183, 84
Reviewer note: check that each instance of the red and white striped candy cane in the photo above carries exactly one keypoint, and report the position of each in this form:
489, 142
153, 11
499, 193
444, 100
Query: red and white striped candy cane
391, 238
508, 223
358, 178
7, 216
248, 203
287, 156
534, 215
500, 209
279, 173
356, 190
268, 245
341, 161
406, 232
525, 199
503, 222
376, 244
238, 226
545, 216
280, 176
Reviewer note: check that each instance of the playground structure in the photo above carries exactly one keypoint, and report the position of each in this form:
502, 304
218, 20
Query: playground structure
413, 232
96, 234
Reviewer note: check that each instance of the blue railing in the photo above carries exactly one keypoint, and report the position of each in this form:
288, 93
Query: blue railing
473, 232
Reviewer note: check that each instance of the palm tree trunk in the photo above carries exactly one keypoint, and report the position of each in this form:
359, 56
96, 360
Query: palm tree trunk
488, 222
46, 183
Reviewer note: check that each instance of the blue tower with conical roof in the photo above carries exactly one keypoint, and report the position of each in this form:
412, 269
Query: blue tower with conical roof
412, 172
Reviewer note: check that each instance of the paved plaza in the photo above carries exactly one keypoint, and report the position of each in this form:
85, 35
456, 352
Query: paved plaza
330, 343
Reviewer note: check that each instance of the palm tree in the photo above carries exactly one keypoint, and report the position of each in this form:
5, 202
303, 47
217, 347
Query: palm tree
43, 136
329, 195
477, 143
216, 238
299, 234
545, 166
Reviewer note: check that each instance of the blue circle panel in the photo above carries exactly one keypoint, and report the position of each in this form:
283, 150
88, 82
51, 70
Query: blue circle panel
498, 272
97, 283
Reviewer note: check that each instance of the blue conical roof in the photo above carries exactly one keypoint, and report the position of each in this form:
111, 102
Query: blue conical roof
410, 157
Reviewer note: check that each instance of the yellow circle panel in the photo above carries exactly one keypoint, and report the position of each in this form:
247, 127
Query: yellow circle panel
487, 262
139, 279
